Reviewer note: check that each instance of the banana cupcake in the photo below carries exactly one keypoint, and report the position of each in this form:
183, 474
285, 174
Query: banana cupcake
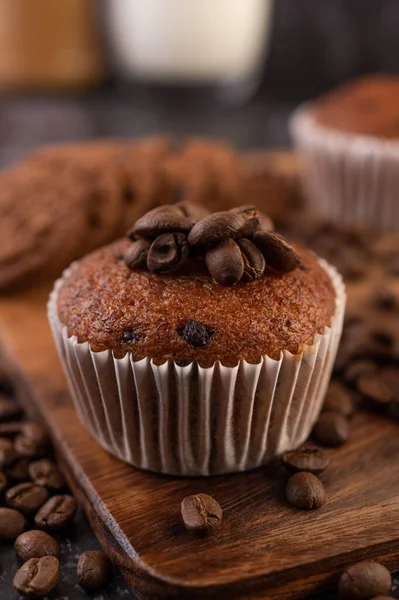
349, 140
201, 343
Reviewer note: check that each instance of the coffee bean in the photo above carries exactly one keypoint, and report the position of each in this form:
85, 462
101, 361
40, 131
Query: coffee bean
364, 580
225, 262
221, 226
357, 368
374, 388
196, 334
201, 513
45, 472
37, 577
265, 223
11, 429
35, 544
18, 471
28, 447
386, 298
12, 524
279, 255
35, 432
254, 262
338, 399
94, 570
7, 452
304, 490
167, 253
8, 409
309, 459
163, 219
332, 429
136, 255
26, 497
56, 513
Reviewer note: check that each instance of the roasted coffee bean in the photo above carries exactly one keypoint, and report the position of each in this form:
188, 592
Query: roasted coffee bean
11, 429
221, 226
201, 513
12, 524
26, 497
225, 262
18, 471
37, 577
387, 299
136, 255
279, 255
338, 399
94, 570
56, 513
309, 459
332, 429
304, 490
265, 223
35, 432
364, 580
254, 262
163, 219
167, 253
28, 447
35, 544
357, 368
374, 388
196, 334
8, 409
7, 452
45, 472
3, 483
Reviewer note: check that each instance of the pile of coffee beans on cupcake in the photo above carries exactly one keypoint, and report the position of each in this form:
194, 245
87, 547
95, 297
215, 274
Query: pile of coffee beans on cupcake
35, 503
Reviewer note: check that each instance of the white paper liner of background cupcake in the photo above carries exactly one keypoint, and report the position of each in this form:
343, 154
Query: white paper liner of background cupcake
348, 178
199, 421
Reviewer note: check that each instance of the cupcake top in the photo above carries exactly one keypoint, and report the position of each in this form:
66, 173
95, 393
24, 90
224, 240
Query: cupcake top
368, 106
198, 287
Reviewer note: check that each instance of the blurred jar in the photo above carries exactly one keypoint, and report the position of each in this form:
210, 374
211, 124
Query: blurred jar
48, 44
190, 41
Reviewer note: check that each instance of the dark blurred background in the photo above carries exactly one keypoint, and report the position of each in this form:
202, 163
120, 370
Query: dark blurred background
314, 45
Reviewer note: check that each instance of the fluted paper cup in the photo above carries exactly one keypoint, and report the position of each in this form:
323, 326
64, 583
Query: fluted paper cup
199, 421
348, 178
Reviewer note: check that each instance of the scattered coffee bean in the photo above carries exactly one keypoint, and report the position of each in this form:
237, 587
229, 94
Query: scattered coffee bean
8, 409
7, 452
35, 432
11, 429
332, 429
37, 577
35, 544
136, 255
12, 524
3, 482
26, 497
386, 298
45, 472
196, 334
56, 513
279, 255
163, 219
28, 447
309, 459
357, 368
18, 471
374, 388
225, 262
338, 399
167, 253
94, 570
220, 226
364, 580
304, 490
254, 262
201, 513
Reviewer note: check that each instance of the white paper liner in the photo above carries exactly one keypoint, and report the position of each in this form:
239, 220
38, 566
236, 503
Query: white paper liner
348, 178
199, 421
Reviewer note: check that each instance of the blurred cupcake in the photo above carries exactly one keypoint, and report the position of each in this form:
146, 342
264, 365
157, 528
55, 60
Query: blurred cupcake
203, 347
349, 139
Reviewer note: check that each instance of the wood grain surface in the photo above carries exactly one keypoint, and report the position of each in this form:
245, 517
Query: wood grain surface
265, 548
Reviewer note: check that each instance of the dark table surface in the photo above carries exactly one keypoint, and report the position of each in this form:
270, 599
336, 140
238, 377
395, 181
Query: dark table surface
29, 121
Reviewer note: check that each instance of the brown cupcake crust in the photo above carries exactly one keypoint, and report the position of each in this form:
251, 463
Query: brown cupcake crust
104, 303
368, 106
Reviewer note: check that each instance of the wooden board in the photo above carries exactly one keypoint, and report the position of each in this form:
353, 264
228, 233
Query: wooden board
265, 549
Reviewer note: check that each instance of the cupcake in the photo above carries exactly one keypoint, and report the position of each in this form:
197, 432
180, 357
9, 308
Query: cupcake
201, 345
349, 139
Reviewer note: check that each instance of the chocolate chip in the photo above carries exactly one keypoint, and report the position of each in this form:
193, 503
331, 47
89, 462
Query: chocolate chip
332, 429
304, 490
338, 399
163, 219
129, 336
201, 513
196, 334
254, 262
136, 255
225, 262
309, 459
279, 255
167, 253
364, 580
